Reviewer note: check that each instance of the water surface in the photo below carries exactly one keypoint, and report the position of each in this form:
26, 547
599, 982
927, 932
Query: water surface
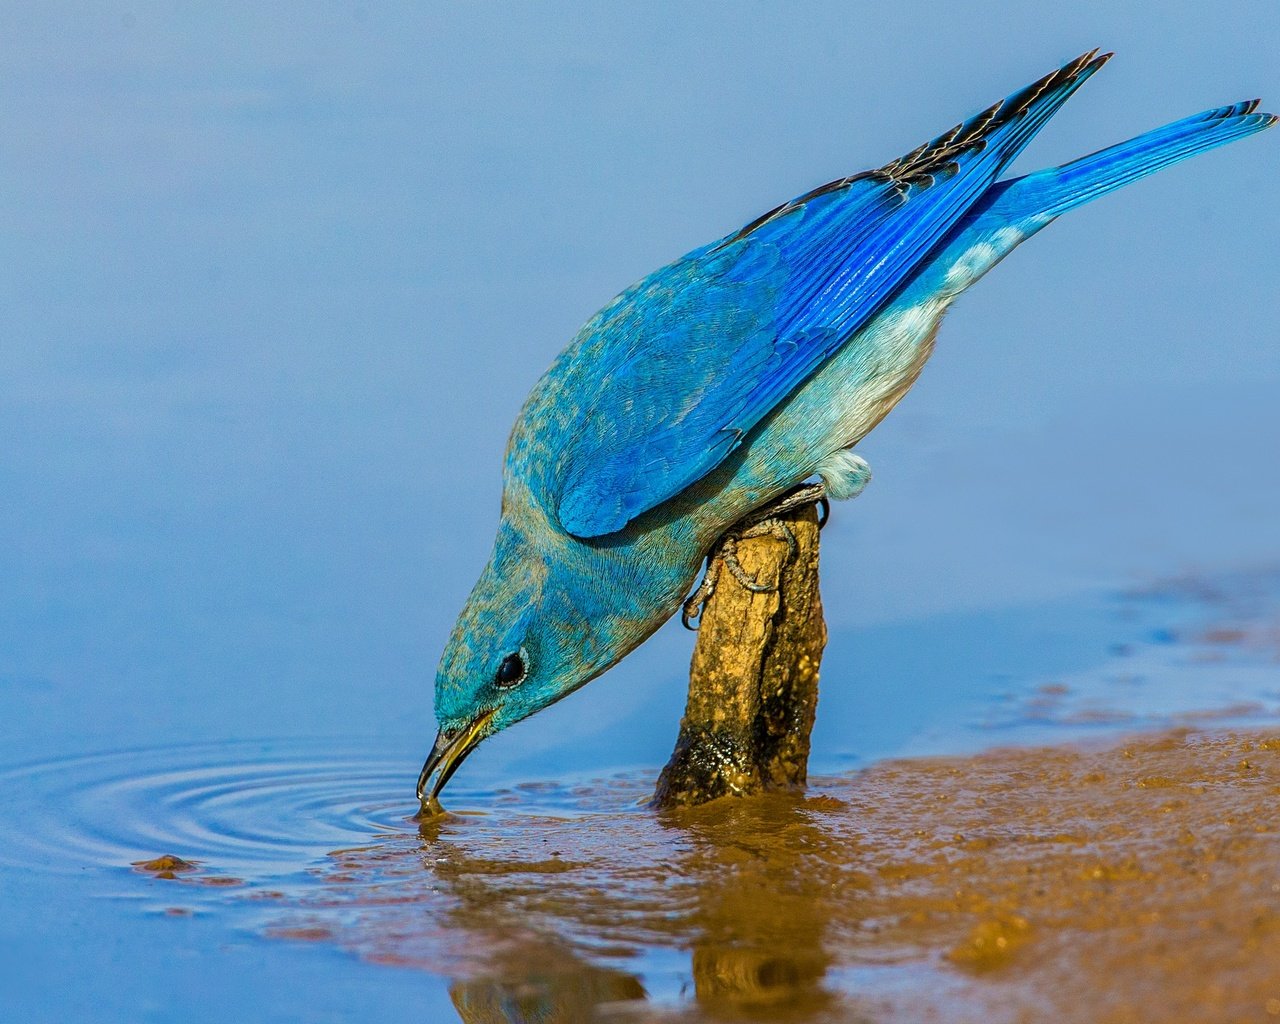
552, 898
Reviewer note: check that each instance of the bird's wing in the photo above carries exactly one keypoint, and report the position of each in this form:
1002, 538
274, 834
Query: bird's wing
686, 362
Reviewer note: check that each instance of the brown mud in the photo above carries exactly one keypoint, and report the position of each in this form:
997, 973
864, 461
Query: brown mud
1134, 883
166, 866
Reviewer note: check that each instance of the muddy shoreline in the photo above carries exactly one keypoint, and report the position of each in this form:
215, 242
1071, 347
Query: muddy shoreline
1131, 882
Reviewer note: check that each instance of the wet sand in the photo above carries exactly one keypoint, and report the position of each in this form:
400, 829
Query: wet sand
1135, 882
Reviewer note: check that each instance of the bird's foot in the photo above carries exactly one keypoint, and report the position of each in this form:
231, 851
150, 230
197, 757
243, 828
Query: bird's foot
797, 497
764, 522
724, 556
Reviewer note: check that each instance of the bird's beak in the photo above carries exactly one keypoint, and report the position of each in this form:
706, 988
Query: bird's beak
448, 753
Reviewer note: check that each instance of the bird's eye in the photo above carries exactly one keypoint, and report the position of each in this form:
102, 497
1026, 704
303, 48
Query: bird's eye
511, 671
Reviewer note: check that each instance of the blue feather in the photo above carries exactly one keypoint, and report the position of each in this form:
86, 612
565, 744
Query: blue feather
702, 350
1049, 193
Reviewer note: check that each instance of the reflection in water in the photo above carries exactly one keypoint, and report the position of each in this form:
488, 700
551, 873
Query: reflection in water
1016, 885
538, 917
526, 973
562, 990
759, 928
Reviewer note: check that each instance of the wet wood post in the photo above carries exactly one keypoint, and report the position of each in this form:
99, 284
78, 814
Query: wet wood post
753, 683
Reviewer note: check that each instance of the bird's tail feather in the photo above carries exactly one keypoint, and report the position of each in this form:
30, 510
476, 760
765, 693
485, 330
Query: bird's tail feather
1048, 193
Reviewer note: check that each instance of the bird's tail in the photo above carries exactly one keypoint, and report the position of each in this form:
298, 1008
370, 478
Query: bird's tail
1041, 196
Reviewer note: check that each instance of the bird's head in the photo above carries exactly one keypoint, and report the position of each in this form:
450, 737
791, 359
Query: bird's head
527, 636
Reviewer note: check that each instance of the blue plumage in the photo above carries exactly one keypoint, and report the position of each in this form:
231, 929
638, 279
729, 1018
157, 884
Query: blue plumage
729, 330
747, 366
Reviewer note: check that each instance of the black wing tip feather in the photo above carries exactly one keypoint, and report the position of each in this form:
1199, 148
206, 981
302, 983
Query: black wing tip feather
921, 165
1235, 110
1245, 110
1080, 67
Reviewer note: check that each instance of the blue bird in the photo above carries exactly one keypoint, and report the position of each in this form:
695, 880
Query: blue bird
721, 383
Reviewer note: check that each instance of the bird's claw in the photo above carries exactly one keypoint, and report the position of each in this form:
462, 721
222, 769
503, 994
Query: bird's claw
764, 522
694, 605
728, 555
797, 497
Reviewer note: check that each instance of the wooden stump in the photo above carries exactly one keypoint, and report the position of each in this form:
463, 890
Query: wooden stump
753, 684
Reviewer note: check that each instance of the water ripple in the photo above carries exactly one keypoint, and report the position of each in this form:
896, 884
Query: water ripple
264, 808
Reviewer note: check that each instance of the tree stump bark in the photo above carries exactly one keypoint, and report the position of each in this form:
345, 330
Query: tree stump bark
753, 683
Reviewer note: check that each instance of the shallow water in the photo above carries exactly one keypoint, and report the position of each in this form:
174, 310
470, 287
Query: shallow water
947, 889
548, 899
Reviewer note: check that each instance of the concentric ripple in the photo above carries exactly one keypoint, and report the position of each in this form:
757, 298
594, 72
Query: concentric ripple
263, 809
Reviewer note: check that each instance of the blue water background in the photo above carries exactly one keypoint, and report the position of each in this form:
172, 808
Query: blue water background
276, 279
